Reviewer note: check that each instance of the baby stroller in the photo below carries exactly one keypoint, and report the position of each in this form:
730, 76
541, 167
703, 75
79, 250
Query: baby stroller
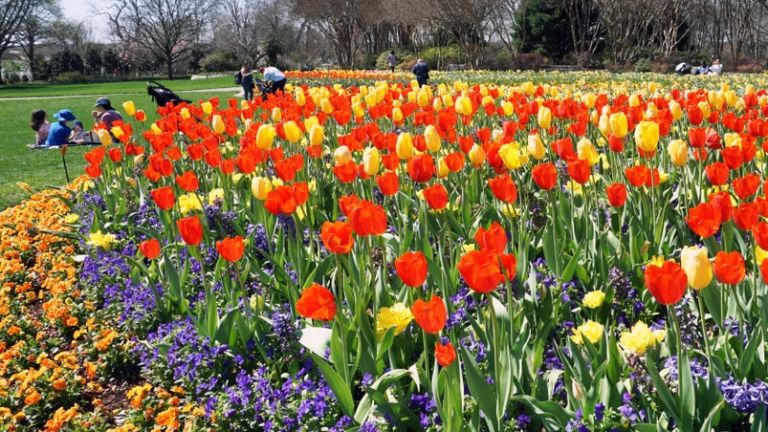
683, 69
263, 86
162, 94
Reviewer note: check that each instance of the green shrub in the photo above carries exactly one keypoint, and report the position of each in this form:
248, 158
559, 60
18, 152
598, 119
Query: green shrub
219, 61
70, 78
643, 65
440, 57
402, 57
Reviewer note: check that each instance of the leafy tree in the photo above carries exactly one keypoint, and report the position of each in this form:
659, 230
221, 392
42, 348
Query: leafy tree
93, 61
543, 27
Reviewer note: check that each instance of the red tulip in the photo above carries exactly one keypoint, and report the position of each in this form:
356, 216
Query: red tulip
337, 237
729, 267
544, 175
436, 196
316, 302
231, 248
704, 220
493, 239
717, 173
503, 188
388, 183
150, 248
187, 181
579, 170
445, 354
617, 194
430, 316
164, 197
191, 230
412, 268
667, 282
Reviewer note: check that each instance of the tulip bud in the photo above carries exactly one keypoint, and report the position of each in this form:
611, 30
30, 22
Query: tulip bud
277, 114
442, 168
678, 152
316, 135
647, 135
544, 117
292, 131
104, 137
129, 108
536, 147
260, 187
342, 155
264, 136
697, 267
371, 160
404, 147
477, 155
587, 151
207, 107
618, 123
218, 124
432, 138
397, 115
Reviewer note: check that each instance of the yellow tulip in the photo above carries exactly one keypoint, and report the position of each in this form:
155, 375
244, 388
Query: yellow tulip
442, 168
316, 134
678, 152
732, 139
422, 98
634, 100
264, 136
207, 107
705, 109
618, 124
260, 187
432, 138
404, 146
511, 155
277, 114
326, 106
477, 155
676, 110
104, 137
185, 113
647, 135
301, 100
508, 108
587, 151
218, 124
292, 132
593, 299
189, 202
397, 115
591, 330
103, 241
371, 160
129, 108
544, 117
697, 267
214, 195
397, 316
536, 147
117, 131
589, 100
341, 155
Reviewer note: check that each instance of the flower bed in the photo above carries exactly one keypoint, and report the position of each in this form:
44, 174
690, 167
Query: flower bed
384, 257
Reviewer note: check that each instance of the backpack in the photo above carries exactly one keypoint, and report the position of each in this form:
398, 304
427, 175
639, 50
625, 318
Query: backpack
238, 78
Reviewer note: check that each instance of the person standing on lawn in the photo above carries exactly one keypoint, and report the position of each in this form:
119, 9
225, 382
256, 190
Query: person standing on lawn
246, 80
59, 132
104, 114
392, 61
276, 77
421, 70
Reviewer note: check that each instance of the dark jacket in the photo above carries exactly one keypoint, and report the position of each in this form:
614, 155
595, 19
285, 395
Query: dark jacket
421, 70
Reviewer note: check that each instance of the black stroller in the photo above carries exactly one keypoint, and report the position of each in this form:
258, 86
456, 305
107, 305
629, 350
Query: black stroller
163, 95
264, 87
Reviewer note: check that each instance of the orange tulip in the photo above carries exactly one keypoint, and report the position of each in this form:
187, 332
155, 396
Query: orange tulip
667, 283
430, 316
717, 173
368, 218
746, 215
187, 181
544, 175
191, 230
729, 267
316, 302
445, 354
617, 194
746, 186
412, 268
231, 248
436, 196
421, 168
388, 183
164, 197
150, 248
503, 188
337, 237
280, 200
493, 239
704, 220
482, 271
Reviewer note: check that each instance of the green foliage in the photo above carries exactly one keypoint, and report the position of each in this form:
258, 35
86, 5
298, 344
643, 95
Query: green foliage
218, 61
402, 57
544, 29
440, 57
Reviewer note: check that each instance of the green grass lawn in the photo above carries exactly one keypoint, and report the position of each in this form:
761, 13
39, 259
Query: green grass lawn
111, 88
41, 168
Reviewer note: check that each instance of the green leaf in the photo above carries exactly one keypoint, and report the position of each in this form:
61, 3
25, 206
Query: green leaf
713, 417
748, 356
661, 388
481, 390
687, 396
552, 414
337, 384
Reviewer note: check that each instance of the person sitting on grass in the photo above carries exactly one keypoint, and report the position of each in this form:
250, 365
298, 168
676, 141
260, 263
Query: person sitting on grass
276, 77
59, 132
104, 114
39, 124
78, 133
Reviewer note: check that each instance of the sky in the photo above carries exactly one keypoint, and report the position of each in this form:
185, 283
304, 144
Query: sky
86, 10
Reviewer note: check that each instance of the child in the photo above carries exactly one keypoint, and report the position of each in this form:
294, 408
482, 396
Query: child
39, 124
59, 132
78, 134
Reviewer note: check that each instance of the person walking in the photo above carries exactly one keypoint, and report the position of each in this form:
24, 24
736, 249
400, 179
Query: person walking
246, 80
392, 61
421, 70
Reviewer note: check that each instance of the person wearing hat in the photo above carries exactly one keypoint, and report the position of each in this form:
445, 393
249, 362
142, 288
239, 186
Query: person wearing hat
59, 132
104, 114
421, 70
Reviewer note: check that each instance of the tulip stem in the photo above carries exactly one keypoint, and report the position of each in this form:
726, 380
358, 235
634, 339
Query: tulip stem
704, 331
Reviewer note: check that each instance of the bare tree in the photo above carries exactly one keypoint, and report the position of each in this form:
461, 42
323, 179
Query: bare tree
503, 20
34, 28
586, 28
168, 29
12, 15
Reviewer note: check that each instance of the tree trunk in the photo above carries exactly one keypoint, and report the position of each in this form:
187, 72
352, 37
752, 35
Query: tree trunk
169, 64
